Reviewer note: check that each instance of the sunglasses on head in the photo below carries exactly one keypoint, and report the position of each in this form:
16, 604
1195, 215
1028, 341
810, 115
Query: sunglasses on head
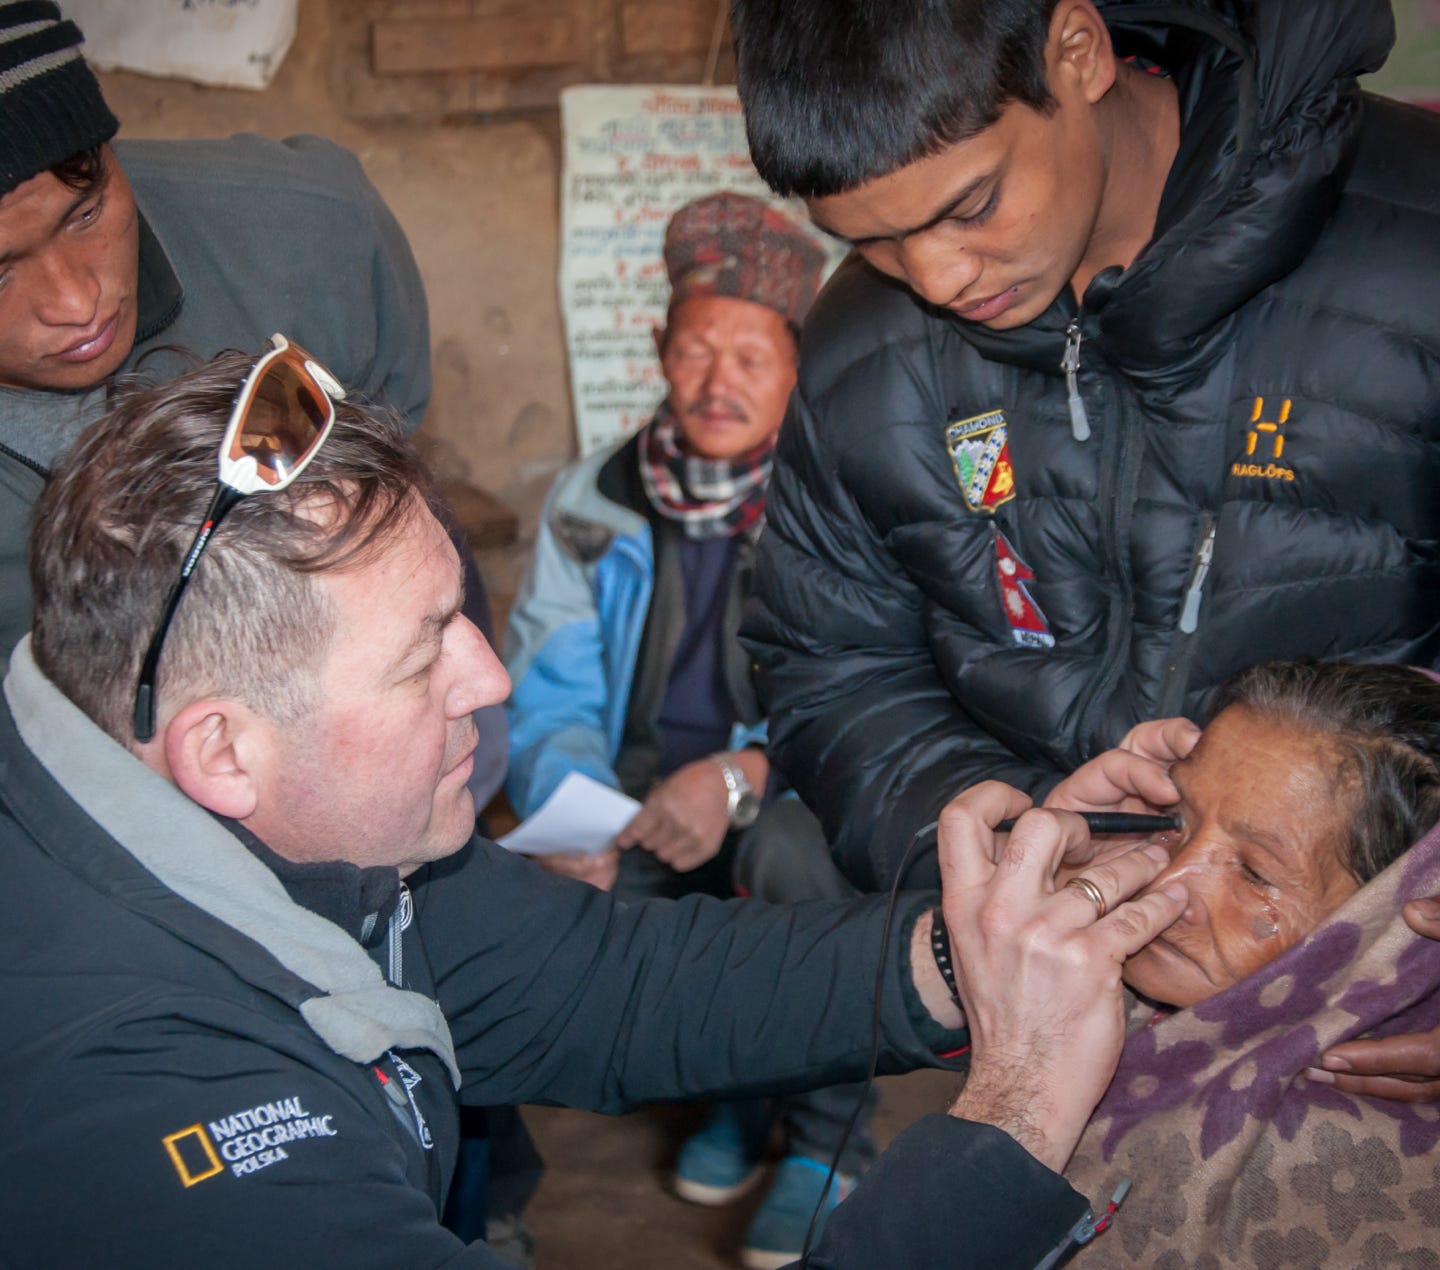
282, 414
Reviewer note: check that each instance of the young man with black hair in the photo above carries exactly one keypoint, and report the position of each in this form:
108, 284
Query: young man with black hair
1157, 393
1132, 380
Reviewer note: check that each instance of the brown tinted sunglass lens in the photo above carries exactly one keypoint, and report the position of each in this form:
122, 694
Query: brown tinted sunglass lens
285, 418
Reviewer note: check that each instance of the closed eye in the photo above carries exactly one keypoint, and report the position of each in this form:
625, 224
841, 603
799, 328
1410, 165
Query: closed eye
1254, 878
984, 214
89, 214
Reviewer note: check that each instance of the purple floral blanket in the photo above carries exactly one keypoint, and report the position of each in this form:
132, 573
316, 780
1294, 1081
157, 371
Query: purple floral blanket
1235, 1158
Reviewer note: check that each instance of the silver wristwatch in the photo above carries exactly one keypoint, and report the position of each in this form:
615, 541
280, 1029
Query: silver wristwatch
742, 804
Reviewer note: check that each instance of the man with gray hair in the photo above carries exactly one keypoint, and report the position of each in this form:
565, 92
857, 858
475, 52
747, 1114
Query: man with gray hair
260, 951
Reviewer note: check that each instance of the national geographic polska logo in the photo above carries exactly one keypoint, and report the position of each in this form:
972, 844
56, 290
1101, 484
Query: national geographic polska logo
247, 1140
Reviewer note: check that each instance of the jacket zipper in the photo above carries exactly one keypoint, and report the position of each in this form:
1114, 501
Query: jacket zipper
394, 938
409, 1078
1118, 498
1182, 651
1070, 364
1190, 612
35, 467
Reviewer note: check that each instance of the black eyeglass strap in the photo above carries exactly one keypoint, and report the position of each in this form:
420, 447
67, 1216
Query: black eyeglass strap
220, 506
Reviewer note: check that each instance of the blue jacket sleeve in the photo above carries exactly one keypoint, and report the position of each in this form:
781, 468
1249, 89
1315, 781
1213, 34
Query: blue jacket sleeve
561, 695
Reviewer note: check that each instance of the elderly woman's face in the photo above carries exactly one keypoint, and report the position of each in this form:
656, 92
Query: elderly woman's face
1265, 811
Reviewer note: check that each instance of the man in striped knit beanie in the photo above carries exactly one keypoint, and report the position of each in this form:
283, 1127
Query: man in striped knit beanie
52, 164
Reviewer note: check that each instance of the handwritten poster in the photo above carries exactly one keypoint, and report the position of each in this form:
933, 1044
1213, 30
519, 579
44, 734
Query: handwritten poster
633, 156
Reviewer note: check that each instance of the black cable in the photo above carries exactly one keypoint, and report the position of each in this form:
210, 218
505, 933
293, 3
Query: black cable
919, 836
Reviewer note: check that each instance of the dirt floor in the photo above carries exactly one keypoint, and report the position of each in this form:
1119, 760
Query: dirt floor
603, 1204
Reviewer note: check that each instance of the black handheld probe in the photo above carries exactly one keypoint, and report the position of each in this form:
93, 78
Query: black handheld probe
1112, 822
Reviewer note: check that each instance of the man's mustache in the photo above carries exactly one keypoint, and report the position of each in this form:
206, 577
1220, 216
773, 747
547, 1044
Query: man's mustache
727, 404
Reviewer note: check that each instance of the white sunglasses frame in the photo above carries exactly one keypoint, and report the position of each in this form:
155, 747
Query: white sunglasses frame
240, 471
238, 477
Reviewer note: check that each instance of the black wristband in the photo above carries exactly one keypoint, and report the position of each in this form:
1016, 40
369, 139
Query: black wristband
940, 946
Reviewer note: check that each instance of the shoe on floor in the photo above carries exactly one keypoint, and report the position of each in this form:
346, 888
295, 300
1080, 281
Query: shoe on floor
510, 1237
714, 1165
777, 1232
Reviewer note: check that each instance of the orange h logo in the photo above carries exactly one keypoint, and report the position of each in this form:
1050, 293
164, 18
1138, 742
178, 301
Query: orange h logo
1276, 429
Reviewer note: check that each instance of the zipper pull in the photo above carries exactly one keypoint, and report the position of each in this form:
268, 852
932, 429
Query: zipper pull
392, 1090
1070, 364
394, 937
1190, 613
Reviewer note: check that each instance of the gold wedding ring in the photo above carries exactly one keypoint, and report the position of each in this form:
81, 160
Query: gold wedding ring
1091, 892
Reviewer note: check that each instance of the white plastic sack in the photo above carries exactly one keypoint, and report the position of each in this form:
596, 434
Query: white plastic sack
234, 43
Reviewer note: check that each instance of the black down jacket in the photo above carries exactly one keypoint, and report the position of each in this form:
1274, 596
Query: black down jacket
1262, 388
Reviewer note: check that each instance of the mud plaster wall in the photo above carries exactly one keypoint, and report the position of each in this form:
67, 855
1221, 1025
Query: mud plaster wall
479, 202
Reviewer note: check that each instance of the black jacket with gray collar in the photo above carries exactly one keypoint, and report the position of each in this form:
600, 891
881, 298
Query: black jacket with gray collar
205, 1071
974, 569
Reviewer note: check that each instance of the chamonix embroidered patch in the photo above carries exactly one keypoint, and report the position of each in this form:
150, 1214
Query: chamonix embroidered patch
980, 450
1028, 626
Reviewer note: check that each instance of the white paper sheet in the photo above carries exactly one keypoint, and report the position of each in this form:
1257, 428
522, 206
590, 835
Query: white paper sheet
582, 815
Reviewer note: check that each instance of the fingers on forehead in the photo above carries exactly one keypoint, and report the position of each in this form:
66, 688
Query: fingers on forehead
1127, 768
1162, 739
1179, 737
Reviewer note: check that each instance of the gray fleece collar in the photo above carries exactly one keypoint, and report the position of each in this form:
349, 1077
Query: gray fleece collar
357, 1014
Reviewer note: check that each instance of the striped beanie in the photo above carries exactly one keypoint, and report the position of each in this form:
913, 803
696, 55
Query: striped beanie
50, 103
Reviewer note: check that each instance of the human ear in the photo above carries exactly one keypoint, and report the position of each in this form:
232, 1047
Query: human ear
213, 749
657, 333
1078, 52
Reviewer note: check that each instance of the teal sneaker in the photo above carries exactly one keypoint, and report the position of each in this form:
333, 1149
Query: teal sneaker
715, 1165
777, 1232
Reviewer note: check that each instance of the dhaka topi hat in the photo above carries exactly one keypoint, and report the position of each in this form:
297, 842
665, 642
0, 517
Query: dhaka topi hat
733, 245
50, 103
